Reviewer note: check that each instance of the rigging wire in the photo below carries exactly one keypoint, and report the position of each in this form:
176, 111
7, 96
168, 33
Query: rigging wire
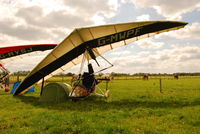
111, 65
82, 64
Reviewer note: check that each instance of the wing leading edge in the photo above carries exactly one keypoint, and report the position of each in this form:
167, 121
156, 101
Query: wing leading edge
11, 51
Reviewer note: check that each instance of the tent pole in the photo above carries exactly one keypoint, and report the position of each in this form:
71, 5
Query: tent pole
42, 86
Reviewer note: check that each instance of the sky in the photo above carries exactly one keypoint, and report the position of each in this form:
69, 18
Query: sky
40, 21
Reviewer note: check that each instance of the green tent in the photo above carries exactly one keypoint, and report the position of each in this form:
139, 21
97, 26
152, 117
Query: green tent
55, 92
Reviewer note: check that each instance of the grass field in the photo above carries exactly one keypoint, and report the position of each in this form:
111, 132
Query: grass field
134, 107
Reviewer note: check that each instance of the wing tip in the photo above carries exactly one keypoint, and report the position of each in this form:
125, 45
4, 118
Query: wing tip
184, 23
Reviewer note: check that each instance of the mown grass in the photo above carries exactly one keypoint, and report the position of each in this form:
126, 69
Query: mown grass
134, 106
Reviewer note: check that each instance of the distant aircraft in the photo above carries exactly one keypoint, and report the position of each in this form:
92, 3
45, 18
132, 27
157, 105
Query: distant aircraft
12, 52
88, 43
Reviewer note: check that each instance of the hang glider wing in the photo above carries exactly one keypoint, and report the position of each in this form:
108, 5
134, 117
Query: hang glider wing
12, 52
100, 38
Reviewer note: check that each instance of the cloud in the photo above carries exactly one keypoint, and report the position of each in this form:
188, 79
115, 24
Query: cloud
171, 9
171, 60
183, 54
23, 32
51, 21
144, 17
89, 8
189, 32
148, 43
61, 19
123, 52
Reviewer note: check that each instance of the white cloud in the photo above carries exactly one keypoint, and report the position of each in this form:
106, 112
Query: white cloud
122, 52
143, 53
99, 20
38, 20
23, 32
144, 17
171, 9
90, 8
57, 19
171, 60
148, 43
189, 32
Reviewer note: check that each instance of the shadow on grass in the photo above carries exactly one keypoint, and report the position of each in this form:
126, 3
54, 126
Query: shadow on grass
100, 104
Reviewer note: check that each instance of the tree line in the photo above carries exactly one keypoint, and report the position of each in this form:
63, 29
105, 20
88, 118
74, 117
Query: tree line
156, 74
114, 74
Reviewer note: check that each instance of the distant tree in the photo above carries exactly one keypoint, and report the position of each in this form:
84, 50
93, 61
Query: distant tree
101, 74
21, 73
119, 74
69, 74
